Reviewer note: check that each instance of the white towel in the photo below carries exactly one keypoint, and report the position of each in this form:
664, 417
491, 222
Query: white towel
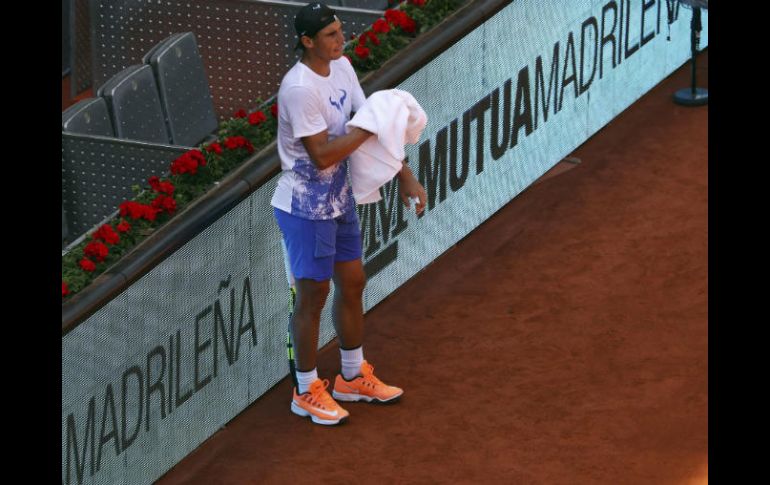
396, 118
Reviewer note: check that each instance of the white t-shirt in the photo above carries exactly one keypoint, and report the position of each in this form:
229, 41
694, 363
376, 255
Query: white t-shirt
309, 104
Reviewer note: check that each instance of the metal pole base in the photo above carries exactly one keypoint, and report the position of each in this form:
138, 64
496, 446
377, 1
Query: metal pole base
685, 97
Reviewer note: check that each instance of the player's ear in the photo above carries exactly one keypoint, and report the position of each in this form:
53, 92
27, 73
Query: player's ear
306, 41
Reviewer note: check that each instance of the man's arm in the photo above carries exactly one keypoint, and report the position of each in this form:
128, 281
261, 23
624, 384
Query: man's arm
325, 153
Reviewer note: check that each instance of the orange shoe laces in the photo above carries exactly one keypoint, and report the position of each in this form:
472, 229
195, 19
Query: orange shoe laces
319, 396
368, 371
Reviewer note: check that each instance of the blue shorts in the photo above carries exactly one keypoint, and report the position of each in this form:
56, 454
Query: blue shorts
315, 245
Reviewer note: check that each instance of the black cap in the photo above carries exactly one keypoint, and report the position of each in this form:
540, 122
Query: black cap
311, 18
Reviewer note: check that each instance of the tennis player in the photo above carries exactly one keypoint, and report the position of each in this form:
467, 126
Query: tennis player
315, 210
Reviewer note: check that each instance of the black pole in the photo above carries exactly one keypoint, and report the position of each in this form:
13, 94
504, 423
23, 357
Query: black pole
695, 28
693, 96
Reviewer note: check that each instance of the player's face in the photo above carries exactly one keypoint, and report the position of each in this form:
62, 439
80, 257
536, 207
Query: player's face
329, 41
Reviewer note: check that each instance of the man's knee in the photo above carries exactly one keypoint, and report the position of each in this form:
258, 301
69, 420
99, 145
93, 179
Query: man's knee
358, 282
352, 284
311, 295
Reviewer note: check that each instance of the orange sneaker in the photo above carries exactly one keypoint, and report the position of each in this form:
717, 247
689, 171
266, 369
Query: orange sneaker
365, 387
318, 404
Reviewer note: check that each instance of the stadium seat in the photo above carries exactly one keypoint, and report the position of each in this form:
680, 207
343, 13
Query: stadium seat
88, 117
134, 105
184, 89
159, 45
366, 4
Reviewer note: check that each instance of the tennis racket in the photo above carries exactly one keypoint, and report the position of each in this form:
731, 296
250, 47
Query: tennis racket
292, 302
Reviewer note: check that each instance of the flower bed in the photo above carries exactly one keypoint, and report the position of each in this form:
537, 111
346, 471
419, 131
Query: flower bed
198, 170
388, 35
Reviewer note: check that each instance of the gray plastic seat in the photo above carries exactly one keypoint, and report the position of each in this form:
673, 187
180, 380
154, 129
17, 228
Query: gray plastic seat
367, 4
88, 117
160, 45
132, 98
184, 89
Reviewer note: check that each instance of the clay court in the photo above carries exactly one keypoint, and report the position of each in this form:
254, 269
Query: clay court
563, 341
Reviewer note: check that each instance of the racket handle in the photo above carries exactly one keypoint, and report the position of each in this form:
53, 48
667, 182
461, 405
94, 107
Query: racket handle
289, 345
290, 352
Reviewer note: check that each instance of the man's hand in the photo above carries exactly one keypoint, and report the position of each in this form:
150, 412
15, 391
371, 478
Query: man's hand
411, 188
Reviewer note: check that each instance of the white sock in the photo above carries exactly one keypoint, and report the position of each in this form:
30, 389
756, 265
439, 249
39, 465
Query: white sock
304, 379
351, 361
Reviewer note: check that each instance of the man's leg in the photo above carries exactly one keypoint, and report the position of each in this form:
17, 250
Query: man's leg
357, 381
305, 322
311, 399
348, 308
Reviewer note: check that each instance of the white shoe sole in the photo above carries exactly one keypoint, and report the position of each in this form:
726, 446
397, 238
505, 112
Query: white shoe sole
342, 396
304, 413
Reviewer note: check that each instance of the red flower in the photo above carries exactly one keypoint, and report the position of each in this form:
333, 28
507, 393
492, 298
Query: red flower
241, 113
157, 186
188, 163
362, 52
381, 26
128, 208
373, 37
394, 16
164, 203
166, 188
169, 204
154, 181
214, 147
198, 156
182, 165
132, 209
257, 118
235, 142
150, 213
401, 19
87, 264
96, 250
418, 3
124, 227
135, 210
64, 290
408, 25
106, 234
274, 107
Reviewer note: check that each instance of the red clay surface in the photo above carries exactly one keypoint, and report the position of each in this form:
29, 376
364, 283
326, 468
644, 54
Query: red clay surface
564, 341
